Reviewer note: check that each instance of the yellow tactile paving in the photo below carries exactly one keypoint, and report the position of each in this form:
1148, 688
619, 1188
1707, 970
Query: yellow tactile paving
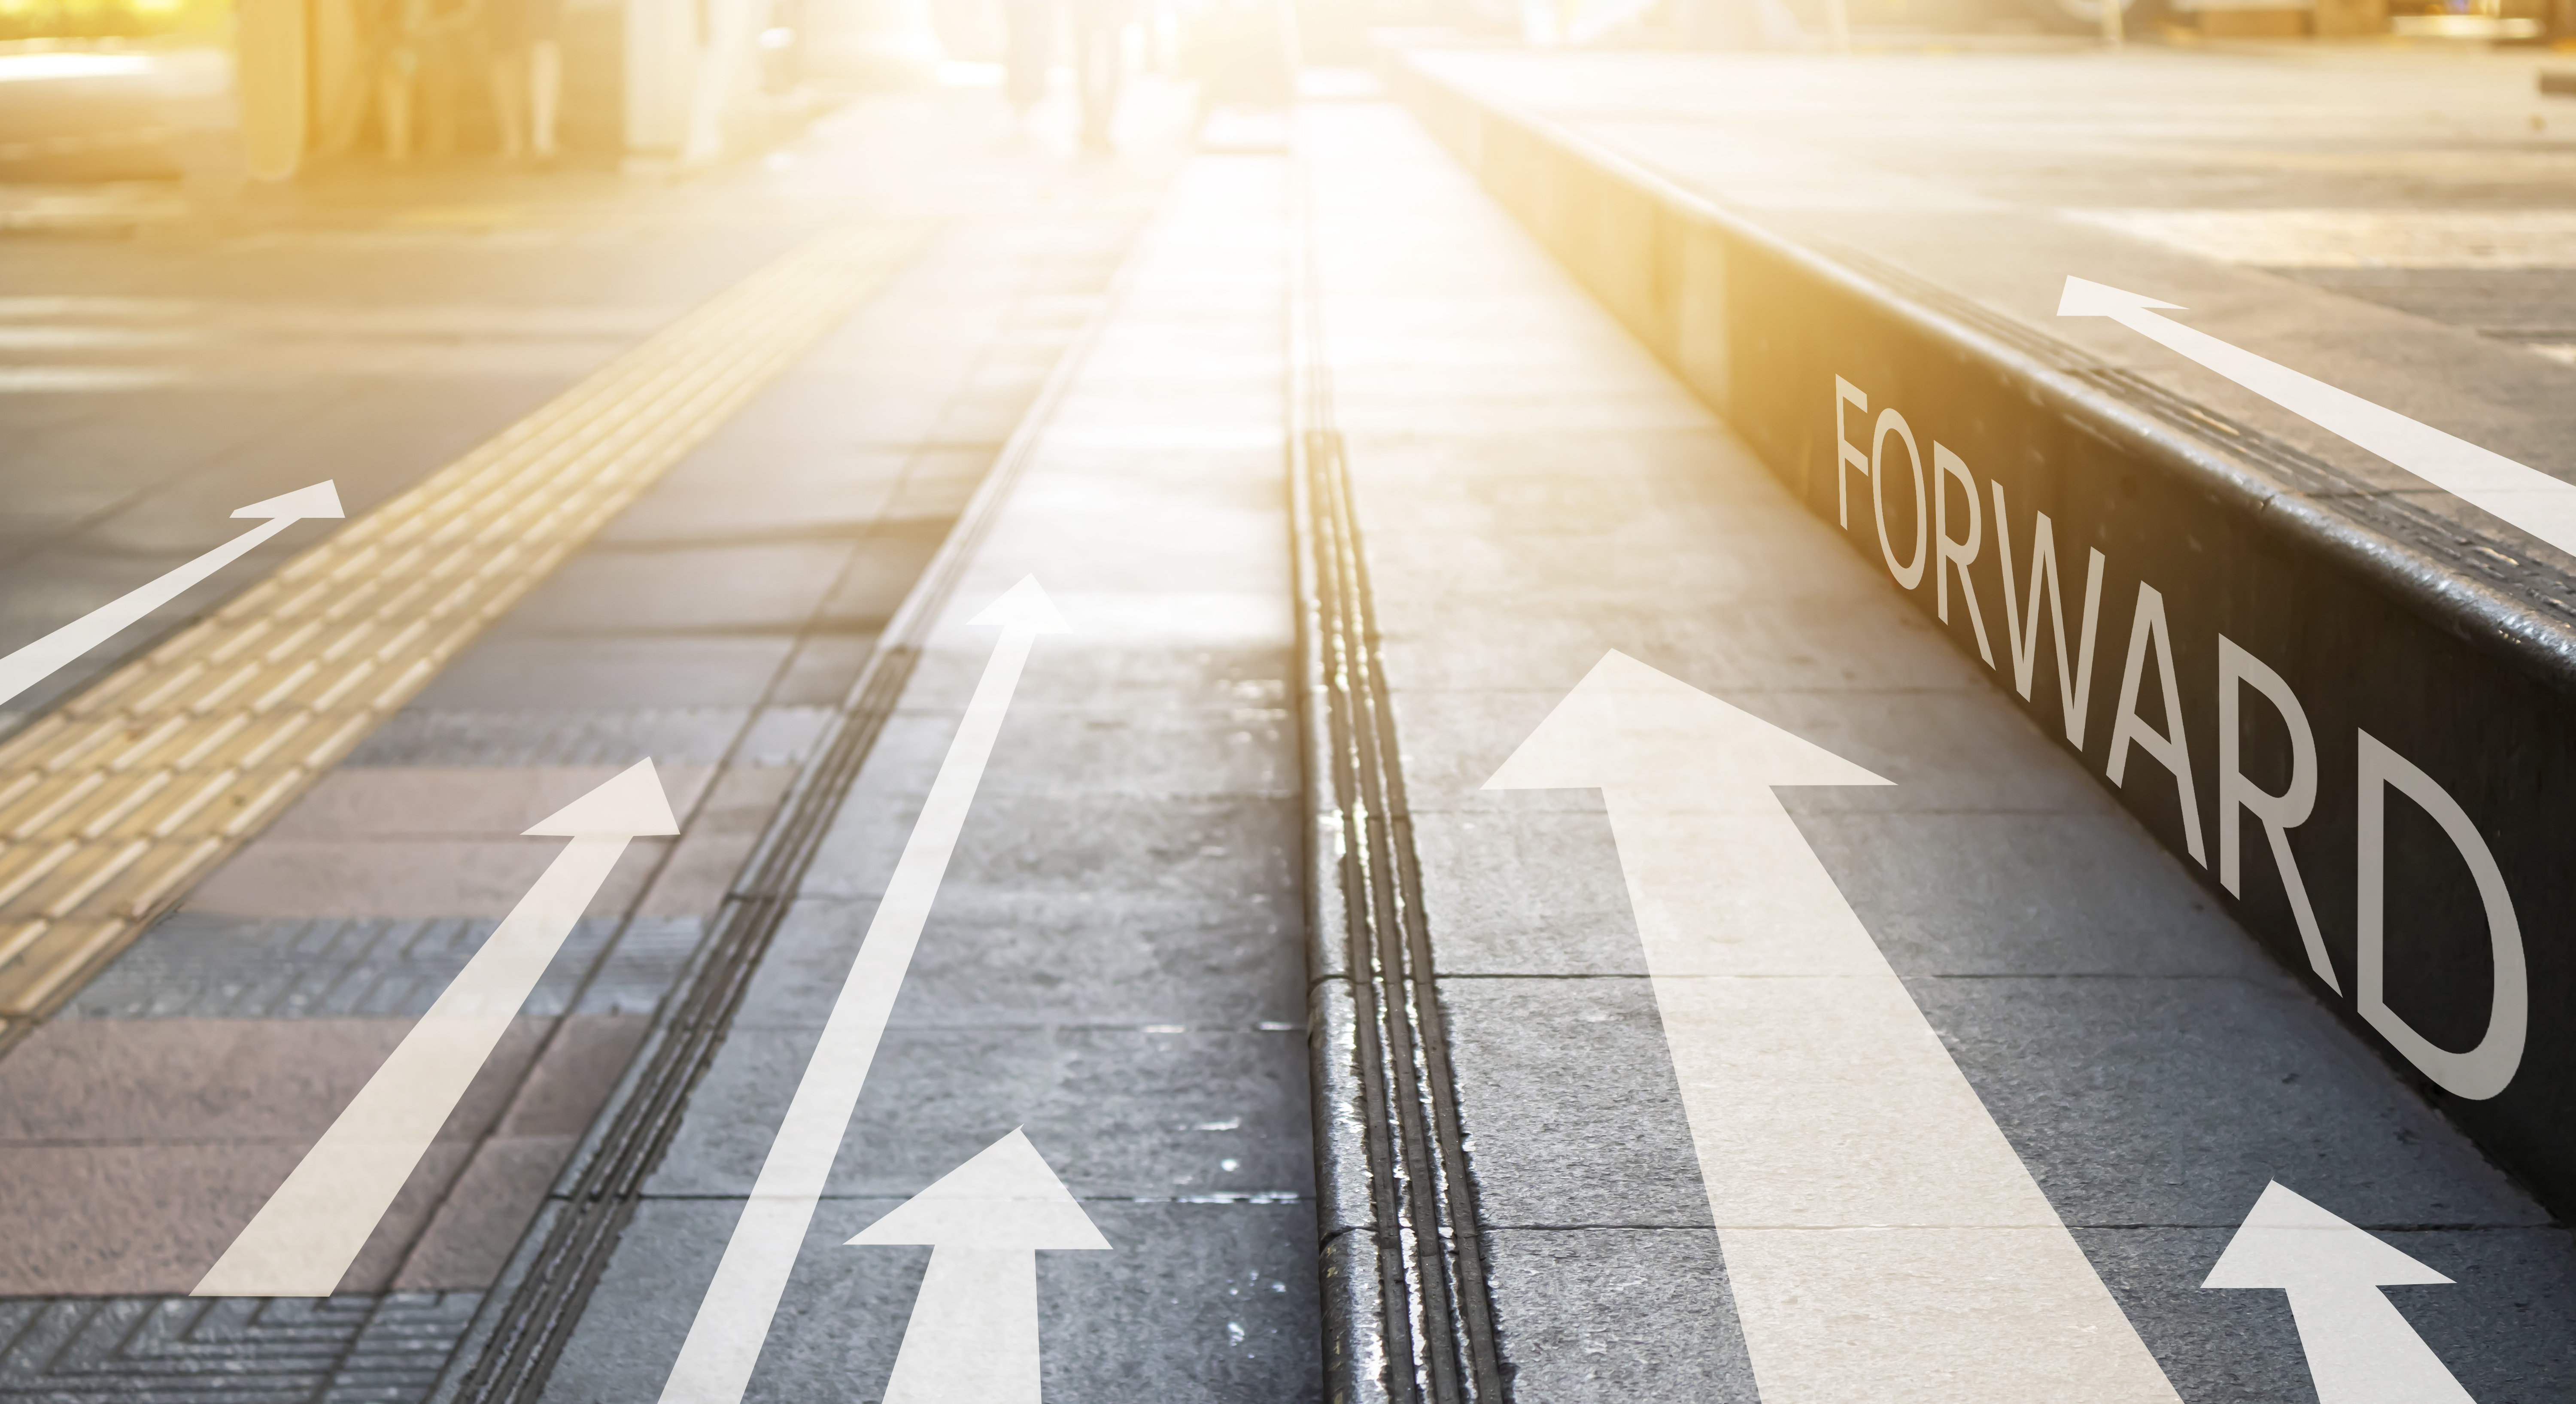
111, 805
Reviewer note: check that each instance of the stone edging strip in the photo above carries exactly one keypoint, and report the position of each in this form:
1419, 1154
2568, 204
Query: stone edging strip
2329, 625
1408, 1316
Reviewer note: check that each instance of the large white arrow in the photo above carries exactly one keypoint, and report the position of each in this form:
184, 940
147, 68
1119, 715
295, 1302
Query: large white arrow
303, 1240
973, 1337
733, 1318
37, 661
2526, 497
2360, 1350
1883, 1241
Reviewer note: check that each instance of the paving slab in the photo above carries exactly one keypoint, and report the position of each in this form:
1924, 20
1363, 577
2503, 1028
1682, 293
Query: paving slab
716, 629
1114, 959
2151, 1067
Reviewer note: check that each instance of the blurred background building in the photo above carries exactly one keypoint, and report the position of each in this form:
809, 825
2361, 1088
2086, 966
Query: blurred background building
230, 91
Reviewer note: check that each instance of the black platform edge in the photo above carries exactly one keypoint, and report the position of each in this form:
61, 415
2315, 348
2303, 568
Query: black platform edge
2453, 648
1408, 1317
509, 1351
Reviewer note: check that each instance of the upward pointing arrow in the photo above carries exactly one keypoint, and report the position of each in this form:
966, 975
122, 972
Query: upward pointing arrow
1879, 1232
39, 660
725, 1338
973, 1337
303, 1239
2360, 1349
2526, 497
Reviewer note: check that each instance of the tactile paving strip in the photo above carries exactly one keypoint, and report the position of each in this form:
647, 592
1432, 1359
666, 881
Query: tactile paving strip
113, 804
339, 1350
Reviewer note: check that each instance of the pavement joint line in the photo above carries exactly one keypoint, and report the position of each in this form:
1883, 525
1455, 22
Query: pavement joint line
123, 795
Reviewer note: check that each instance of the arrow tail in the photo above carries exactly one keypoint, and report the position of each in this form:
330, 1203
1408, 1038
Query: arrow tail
974, 1331
733, 1319
1880, 1233
2362, 1350
312, 1228
41, 659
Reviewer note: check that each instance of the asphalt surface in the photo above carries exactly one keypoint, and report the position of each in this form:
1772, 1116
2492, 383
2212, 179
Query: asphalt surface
1116, 962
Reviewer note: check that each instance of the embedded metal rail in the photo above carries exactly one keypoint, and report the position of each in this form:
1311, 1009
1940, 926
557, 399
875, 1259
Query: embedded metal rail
1408, 1317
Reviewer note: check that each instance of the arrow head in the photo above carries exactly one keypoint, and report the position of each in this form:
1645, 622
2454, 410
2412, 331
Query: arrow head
1628, 726
319, 500
2083, 299
1024, 606
631, 805
1005, 1197
2291, 1244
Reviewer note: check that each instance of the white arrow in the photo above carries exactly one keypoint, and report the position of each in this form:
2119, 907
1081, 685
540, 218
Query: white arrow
733, 1318
2360, 1349
303, 1240
37, 661
2526, 497
973, 1337
1883, 1241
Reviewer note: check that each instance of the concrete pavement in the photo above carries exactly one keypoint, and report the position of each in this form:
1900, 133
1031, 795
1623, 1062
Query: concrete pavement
2152, 1068
1378, 1084
714, 627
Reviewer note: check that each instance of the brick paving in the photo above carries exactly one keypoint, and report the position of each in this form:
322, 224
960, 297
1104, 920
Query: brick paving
711, 628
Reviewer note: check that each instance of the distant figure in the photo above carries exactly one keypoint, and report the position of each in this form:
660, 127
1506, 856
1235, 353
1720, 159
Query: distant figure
527, 74
389, 42
1099, 58
1031, 44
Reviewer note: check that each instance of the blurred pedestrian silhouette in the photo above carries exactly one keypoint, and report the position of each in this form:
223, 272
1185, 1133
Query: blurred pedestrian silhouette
1099, 33
1099, 62
389, 56
526, 69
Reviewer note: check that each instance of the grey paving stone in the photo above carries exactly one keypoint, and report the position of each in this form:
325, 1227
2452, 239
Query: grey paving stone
229, 1350
1567, 1097
1120, 1112
2491, 1329
2172, 1101
736, 486
1525, 894
2539, 303
879, 570
1734, 641
1228, 847
682, 589
429, 736
1612, 1315
2026, 894
1063, 751
1943, 749
1134, 679
608, 673
824, 668
1120, 958
1194, 1302
202, 965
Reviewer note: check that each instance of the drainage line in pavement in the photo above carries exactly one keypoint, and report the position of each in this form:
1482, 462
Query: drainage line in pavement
530, 1315
1416, 1325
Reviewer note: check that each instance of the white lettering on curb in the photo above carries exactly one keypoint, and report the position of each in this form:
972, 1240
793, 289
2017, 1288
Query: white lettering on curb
2481, 1072
2484, 1070
2278, 814
2172, 750
1909, 574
